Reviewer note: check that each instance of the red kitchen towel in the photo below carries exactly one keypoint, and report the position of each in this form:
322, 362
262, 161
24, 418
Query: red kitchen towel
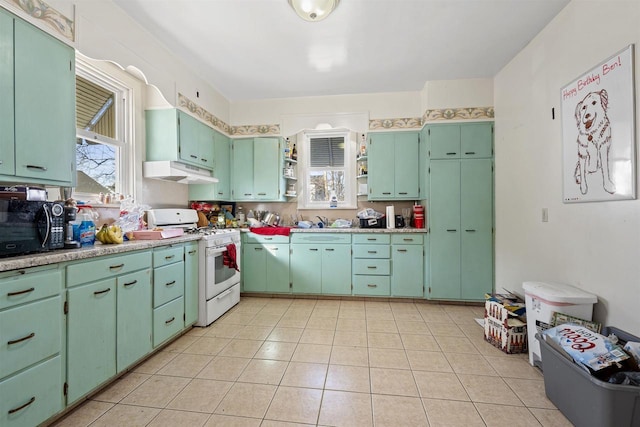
229, 257
271, 231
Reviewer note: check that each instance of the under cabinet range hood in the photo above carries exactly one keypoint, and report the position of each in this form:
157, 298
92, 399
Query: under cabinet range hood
167, 170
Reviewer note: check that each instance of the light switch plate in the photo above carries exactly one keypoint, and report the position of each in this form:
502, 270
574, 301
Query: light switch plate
545, 215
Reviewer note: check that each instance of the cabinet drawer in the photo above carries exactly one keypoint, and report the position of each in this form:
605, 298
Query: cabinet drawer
371, 251
166, 256
32, 396
371, 285
372, 238
19, 288
168, 283
407, 239
167, 321
29, 333
104, 267
258, 238
321, 237
372, 266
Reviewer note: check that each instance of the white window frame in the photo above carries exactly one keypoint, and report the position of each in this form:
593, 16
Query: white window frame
303, 149
113, 79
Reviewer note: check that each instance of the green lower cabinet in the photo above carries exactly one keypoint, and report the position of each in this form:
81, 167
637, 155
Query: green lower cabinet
476, 274
254, 267
306, 269
91, 337
445, 264
167, 320
134, 315
266, 267
336, 270
191, 262
277, 268
407, 266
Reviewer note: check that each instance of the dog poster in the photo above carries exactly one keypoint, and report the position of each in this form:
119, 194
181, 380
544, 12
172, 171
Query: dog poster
598, 132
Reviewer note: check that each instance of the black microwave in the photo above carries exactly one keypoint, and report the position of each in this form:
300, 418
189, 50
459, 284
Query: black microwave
28, 226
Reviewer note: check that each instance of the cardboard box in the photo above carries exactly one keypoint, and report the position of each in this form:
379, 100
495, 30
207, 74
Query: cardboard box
503, 328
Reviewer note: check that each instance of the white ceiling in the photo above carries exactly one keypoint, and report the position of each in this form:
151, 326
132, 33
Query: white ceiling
256, 49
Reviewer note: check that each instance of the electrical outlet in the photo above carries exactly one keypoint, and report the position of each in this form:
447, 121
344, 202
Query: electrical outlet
545, 215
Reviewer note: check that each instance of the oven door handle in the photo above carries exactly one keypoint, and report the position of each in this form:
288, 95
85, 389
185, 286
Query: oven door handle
213, 252
225, 293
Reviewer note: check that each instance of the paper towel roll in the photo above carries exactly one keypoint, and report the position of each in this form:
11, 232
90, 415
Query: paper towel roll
391, 217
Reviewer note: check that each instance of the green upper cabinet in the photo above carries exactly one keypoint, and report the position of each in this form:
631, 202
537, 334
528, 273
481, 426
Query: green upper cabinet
394, 166
460, 141
256, 169
221, 170
173, 134
37, 75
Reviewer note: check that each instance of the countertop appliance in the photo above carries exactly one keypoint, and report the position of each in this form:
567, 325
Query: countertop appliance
218, 284
30, 226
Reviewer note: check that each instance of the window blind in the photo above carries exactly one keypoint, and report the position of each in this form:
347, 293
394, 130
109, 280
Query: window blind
327, 152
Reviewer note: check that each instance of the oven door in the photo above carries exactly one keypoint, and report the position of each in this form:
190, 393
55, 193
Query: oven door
218, 277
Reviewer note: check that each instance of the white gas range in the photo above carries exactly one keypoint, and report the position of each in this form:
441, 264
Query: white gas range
218, 283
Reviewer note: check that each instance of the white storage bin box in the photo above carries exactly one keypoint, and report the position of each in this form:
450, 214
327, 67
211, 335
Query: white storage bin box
543, 299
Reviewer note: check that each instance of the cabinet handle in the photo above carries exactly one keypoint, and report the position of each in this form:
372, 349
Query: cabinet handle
451, 154
19, 408
329, 249
40, 168
408, 239
220, 193
403, 193
371, 267
31, 335
130, 283
451, 230
168, 257
102, 292
257, 249
470, 231
268, 238
313, 249
204, 160
372, 252
470, 152
247, 194
262, 194
166, 322
171, 283
386, 193
193, 157
402, 250
26, 291
371, 285
274, 249
115, 267
192, 252
372, 239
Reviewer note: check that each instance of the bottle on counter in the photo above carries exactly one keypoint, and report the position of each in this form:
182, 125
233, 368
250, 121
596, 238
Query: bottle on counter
86, 228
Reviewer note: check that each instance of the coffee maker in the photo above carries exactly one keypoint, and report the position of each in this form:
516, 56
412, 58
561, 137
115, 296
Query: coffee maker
69, 217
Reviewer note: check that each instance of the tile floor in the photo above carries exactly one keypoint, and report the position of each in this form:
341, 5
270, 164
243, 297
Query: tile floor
284, 362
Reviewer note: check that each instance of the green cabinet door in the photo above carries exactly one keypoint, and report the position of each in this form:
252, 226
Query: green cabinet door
242, 171
424, 164
277, 268
406, 275
191, 264
254, 267
205, 146
266, 168
44, 106
476, 140
133, 304
91, 337
406, 166
444, 141
306, 265
336, 269
188, 137
7, 137
381, 173
221, 169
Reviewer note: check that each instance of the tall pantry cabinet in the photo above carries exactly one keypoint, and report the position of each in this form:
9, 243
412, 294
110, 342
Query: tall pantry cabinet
461, 210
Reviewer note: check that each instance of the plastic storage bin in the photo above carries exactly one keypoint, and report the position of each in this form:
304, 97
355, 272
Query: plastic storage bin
582, 398
543, 299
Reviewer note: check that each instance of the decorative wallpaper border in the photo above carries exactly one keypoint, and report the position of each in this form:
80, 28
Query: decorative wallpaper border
262, 130
40, 10
467, 113
402, 123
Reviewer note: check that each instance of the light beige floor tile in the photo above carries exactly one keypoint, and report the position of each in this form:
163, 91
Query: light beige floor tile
346, 324
384, 340
155, 362
310, 375
451, 413
497, 416
380, 315
353, 304
84, 414
312, 353
157, 391
200, 396
274, 350
298, 405
324, 323
398, 382
413, 327
514, 367
273, 423
348, 378
126, 416
472, 330
434, 361
237, 318
487, 349
263, 372
231, 421
241, 348
119, 389
350, 338
347, 409
352, 313
456, 344
328, 303
394, 411
208, 346
483, 389
440, 385
407, 316
419, 342
463, 363
254, 332
223, 330
531, 392
388, 358
317, 336
224, 368
186, 365
381, 326
550, 417
285, 334
197, 331
326, 311
446, 329
353, 356
179, 345
277, 309
247, 400
172, 418
265, 320
435, 316
295, 321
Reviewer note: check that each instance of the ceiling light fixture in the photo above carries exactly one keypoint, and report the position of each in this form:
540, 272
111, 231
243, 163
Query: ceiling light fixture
313, 10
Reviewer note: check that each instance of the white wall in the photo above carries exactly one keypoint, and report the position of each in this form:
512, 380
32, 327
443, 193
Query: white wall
594, 246
438, 94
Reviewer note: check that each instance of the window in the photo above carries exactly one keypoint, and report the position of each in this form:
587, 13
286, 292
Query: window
103, 126
328, 172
